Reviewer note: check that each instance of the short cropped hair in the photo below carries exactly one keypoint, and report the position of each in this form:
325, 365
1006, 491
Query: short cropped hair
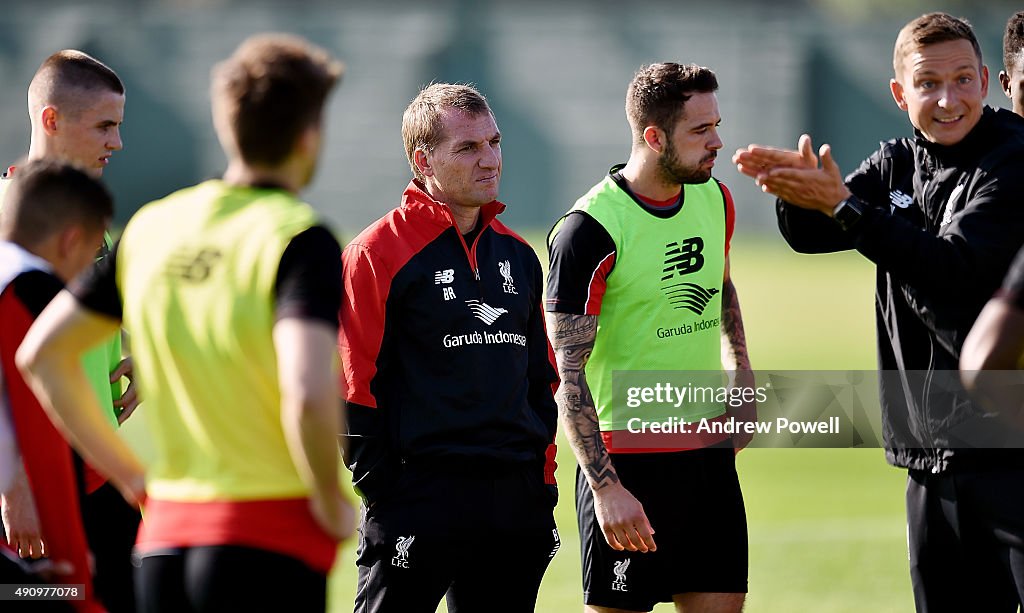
1013, 40
658, 93
271, 89
931, 29
46, 196
421, 123
65, 75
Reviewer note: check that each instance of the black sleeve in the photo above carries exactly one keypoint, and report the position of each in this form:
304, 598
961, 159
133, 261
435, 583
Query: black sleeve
541, 373
1013, 285
810, 231
367, 452
309, 282
35, 289
889, 168
581, 255
96, 288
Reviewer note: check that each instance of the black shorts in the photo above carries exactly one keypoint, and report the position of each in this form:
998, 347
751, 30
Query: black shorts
693, 501
111, 525
227, 578
966, 539
482, 534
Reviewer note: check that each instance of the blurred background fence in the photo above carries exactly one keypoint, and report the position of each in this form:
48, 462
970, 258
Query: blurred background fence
555, 72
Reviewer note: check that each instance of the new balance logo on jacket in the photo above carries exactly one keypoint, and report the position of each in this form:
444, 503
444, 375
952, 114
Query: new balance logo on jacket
444, 276
900, 200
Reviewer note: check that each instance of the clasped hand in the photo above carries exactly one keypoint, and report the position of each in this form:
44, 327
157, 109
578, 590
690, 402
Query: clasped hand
795, 175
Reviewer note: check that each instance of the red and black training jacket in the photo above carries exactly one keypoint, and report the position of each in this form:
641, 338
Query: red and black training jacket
443, 346
26, 287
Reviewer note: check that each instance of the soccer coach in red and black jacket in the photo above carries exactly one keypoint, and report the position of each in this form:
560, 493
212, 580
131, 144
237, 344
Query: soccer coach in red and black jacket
449, 379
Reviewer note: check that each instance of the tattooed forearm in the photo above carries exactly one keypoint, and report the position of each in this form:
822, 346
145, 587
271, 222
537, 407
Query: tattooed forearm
734, 341
572, 338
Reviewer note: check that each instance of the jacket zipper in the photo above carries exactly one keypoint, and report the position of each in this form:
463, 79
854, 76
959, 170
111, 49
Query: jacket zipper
936, 454
472, 256
470, 252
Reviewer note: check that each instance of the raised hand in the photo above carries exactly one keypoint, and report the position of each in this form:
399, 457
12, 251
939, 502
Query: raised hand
756, 160
795, 176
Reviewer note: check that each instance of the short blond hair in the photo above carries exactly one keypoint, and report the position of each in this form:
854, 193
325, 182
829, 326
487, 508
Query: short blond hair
421, 122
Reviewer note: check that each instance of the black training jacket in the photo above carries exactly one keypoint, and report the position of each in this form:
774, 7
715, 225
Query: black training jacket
942, 224
443, 346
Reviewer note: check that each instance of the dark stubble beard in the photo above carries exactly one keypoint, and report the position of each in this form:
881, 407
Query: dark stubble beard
673, 172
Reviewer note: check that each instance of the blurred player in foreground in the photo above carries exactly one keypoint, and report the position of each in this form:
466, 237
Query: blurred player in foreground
231, 291
53, 218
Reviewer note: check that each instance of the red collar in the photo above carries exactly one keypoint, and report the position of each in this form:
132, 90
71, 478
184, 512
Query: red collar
416, 199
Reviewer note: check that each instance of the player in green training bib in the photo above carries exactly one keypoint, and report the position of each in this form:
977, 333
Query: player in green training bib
639, 282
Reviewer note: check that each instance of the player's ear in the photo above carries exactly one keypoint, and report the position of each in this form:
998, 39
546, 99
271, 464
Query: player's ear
309, 141
70, 240
898, 94
655, 138
1004, 83
48, 116
422, 161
